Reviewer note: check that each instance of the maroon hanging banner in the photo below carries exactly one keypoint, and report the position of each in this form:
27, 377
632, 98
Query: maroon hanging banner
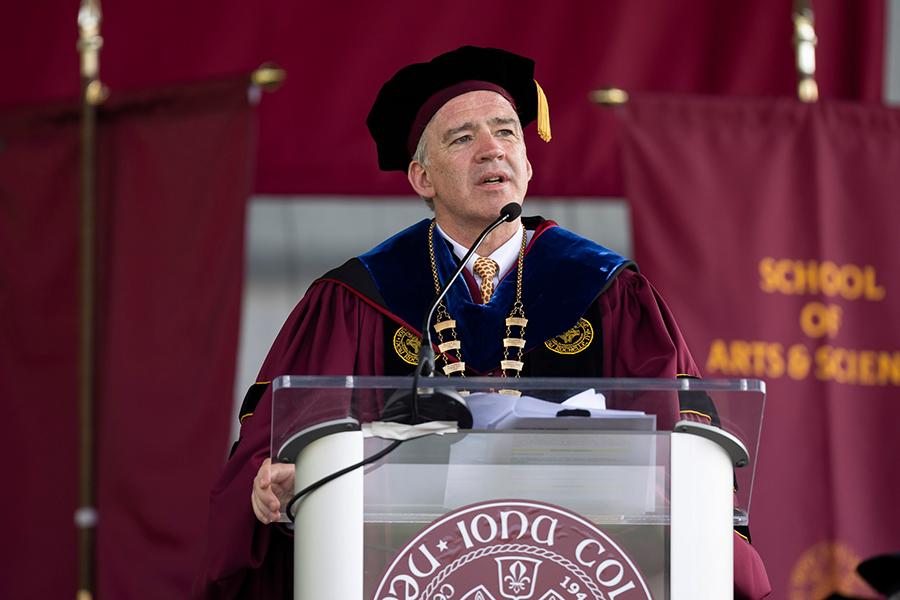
38, 351
771, 227
175, 170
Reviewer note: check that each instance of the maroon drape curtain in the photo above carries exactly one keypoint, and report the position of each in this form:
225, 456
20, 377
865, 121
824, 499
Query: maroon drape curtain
175, 170
771, 227
38, 346
337, 54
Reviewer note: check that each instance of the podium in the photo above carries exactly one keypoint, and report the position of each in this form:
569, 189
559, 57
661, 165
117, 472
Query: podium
635, 501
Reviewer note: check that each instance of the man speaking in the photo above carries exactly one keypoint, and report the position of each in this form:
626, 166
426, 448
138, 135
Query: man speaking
454, 125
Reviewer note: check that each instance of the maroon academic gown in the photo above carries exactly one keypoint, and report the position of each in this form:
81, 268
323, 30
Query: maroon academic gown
336, 331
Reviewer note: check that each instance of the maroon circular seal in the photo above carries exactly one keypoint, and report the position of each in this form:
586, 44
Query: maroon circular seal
512, 550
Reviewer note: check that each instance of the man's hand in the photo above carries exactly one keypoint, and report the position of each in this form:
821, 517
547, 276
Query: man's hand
273, 487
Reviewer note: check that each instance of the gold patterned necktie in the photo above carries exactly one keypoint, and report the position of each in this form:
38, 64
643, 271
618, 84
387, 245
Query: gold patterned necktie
486, 268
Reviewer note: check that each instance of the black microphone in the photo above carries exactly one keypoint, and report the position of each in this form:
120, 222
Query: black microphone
445, 405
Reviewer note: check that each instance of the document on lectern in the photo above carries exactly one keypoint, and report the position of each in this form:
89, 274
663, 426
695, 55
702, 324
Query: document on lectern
586, 410
622, 476
585, 458
616, 471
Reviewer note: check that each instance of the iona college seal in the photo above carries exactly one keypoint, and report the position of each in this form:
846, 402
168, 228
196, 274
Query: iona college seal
406, 345
512, 550
574, 340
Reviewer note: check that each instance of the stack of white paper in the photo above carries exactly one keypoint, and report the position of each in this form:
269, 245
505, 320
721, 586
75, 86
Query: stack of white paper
501, 411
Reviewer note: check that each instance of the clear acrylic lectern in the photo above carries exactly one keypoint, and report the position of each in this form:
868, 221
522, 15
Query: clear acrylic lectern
660, 487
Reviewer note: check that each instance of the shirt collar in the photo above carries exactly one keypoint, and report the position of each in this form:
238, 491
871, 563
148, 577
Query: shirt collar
505, 256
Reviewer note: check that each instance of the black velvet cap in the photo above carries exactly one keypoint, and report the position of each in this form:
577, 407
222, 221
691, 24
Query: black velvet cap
398, 109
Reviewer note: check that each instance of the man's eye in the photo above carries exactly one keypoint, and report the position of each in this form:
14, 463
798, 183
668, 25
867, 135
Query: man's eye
506, 132
462, 139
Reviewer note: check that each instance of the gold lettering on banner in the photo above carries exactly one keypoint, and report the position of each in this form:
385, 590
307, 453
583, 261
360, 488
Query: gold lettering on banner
741, 358
810, 277
770, 360
799, 362
818, 320
859, 367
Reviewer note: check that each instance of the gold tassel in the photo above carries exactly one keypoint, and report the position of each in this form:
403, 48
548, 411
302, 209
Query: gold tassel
543, 114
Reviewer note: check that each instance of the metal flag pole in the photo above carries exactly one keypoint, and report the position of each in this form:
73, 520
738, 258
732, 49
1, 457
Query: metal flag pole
92, 94
805, 49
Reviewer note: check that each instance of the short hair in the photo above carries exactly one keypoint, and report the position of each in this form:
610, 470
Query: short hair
421, 156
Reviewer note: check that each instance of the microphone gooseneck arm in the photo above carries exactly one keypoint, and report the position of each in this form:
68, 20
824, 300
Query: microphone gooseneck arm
510, 212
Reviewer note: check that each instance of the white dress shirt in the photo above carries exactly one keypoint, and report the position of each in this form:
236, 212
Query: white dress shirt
505, 256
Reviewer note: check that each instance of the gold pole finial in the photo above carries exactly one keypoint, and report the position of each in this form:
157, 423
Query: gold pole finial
89, 41
805, 47
90, 17
610, 96
268, 76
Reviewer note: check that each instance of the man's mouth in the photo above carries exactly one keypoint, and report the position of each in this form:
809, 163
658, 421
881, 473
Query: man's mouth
494, 179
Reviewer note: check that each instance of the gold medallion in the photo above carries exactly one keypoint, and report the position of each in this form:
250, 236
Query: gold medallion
406, 345
574, 340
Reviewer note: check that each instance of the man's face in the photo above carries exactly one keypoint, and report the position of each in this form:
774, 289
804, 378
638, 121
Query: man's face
476, 161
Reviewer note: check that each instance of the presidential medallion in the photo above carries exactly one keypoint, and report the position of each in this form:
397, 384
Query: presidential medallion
574, 340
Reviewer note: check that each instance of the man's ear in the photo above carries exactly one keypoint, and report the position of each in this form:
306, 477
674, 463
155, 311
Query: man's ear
528, 168
419, 180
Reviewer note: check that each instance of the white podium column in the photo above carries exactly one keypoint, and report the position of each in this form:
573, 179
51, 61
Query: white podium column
328, 530
702, 551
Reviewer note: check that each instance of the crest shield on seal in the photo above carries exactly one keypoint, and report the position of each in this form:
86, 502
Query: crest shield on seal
517, 576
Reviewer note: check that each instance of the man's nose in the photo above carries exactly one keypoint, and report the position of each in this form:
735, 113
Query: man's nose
490, 149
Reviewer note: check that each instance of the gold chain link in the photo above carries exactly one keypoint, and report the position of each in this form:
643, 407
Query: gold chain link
442, 314
517, 310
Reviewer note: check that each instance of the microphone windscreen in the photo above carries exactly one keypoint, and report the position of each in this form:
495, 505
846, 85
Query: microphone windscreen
511, 211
